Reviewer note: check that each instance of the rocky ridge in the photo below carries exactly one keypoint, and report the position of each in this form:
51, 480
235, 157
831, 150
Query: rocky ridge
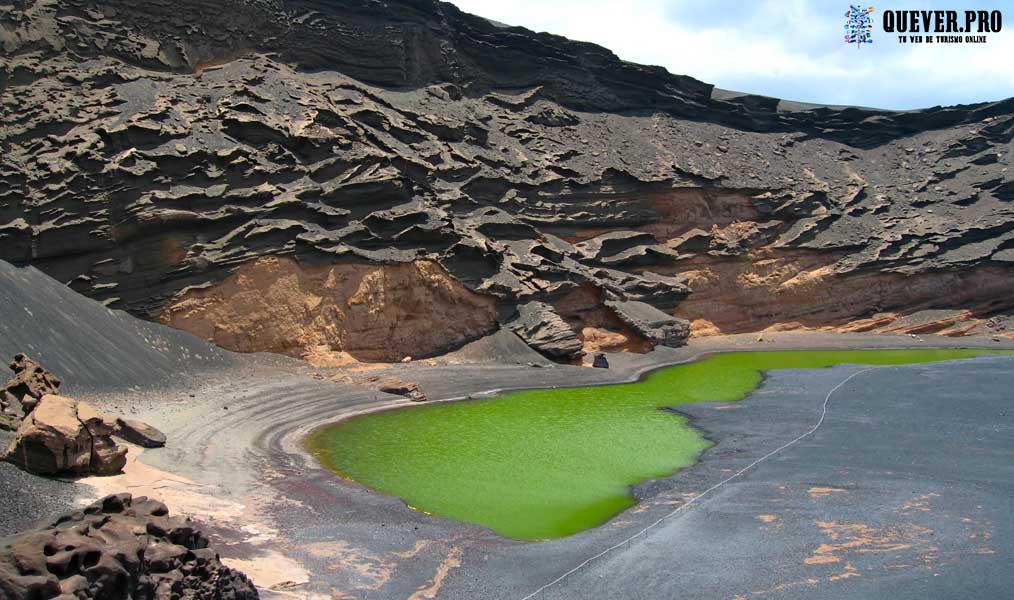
153, 151
20, 396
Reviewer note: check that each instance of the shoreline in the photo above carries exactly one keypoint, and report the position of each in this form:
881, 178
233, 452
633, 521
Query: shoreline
319, 450
633, 377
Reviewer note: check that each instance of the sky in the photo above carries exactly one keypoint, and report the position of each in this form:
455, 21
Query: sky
792, 49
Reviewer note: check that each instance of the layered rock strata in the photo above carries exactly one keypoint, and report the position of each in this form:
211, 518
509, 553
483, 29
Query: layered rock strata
154, 152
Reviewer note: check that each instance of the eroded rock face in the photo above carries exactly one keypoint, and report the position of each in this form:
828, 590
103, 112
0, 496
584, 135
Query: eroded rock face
32, 382
542, 328
22, 393
169, 146
371, 312
119, 547
66, 436
783, 291
596, 325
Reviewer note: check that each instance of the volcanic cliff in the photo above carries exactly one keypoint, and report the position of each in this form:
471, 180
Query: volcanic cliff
391, 178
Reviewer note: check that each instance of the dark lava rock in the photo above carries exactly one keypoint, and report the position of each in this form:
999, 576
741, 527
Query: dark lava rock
398, 387
694, 240
542, 328
610, 244
170, 143
138, 432
655, 325
119, 547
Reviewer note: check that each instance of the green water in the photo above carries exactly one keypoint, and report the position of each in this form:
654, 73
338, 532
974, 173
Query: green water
539, 464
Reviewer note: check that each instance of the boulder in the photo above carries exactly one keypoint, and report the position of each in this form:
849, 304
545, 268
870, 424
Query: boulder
11, 411
138, 432
658, 327
31, 382
66, 436
600, 362
119, 547
398, 387
542, 328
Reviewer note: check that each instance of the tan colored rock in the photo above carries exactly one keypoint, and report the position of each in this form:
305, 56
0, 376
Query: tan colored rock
370, 312
597, 340
63, 435
598, 328
784, 290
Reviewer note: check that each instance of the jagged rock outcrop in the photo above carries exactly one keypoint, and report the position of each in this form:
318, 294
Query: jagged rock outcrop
66, 436
542, 328
161, 148
118, 547
22, 393
30, 383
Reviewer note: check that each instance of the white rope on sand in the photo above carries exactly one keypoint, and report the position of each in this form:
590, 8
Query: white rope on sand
812, 430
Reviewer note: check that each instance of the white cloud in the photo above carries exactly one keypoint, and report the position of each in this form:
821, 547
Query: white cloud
785, 48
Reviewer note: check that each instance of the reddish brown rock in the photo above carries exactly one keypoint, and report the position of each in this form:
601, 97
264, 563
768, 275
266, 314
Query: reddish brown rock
66, 436
31, 382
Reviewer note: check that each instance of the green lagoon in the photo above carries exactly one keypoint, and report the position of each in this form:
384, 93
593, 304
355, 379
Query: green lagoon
540, 464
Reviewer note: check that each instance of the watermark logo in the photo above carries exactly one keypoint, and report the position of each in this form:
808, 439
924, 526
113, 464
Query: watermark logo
942, 26
858, 25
